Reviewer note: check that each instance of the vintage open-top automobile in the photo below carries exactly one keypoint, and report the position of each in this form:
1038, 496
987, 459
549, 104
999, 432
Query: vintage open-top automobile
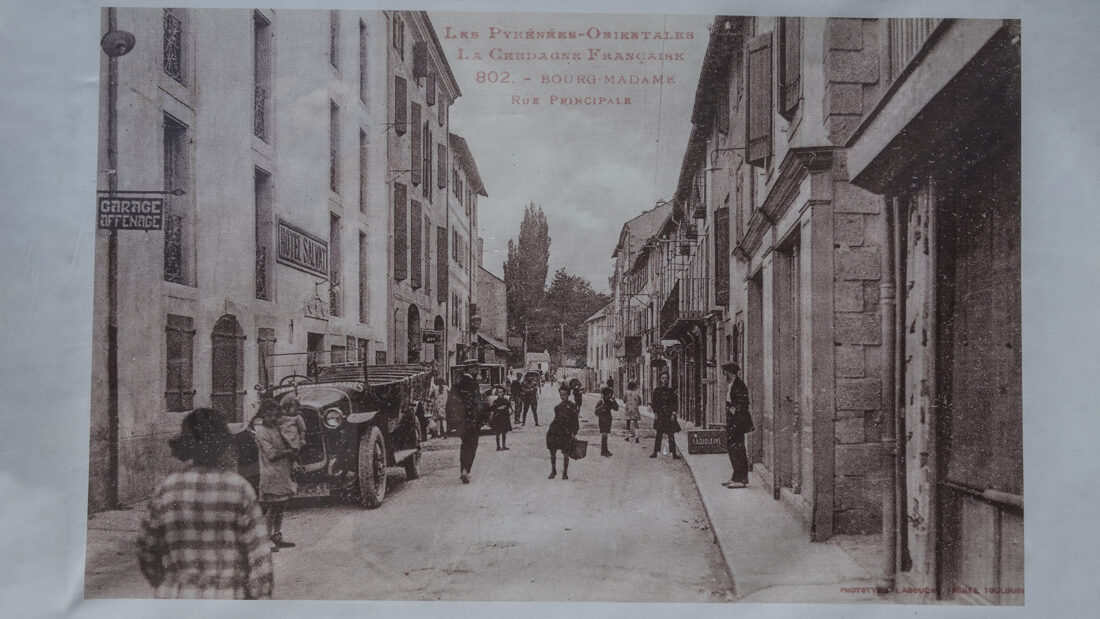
360, 419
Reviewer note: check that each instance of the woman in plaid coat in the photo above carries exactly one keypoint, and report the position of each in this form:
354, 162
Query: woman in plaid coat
204, 535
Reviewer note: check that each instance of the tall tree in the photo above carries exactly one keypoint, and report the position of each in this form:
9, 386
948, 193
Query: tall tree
570, 300
526, 268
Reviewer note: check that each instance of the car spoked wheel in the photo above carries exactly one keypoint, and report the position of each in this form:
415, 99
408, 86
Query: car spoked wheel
372, 468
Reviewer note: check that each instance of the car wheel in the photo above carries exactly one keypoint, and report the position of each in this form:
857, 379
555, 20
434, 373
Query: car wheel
372, 468
412, 463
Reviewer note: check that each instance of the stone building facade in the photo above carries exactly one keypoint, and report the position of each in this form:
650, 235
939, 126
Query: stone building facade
275, 135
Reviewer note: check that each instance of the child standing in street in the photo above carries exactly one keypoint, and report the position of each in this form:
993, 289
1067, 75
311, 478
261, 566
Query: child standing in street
500, 417
291, 425
604, 407
633, 401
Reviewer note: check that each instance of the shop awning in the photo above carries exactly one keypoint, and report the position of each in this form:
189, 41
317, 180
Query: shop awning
492, 341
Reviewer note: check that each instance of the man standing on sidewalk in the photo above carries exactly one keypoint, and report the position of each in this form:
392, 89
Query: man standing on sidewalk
738, 423
665, 403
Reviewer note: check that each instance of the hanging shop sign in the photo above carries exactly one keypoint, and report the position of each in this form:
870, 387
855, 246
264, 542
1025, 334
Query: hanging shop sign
431, 336
301, 250
129, 213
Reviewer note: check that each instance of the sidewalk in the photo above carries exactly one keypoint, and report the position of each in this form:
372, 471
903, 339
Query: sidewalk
767, 545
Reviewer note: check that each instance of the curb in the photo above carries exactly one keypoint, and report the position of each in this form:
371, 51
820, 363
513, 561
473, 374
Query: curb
713, 531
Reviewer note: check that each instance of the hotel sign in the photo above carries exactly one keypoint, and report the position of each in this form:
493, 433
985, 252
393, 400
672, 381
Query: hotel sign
302, 250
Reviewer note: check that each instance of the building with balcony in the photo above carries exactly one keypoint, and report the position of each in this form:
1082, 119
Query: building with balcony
278, 138
635, 297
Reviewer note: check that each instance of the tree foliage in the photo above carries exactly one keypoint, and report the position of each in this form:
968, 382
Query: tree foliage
553, 318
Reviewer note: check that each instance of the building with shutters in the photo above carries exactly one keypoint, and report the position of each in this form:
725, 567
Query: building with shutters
306, 216
421, 90
634, 296
866, 175
462, 268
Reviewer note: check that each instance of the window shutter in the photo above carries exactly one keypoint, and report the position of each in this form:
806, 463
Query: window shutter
429, 89
428, 160
416, 271
427, 256
760, 99
417, 163
722, 256
400, 233
790, 67
442, 165
442, 288
420, 60
400, 107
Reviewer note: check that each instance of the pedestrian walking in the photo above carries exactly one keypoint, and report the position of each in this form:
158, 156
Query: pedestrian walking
276, 459
738, 423
604, 407
577, 392
531, 389
632, 401
563, 430
665, 403
516, 387
465, 406
203, 535
500, 417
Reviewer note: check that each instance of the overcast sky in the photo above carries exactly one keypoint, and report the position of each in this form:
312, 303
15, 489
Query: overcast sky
591, 167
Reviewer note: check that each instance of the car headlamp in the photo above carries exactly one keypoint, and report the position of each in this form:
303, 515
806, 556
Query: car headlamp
332, 418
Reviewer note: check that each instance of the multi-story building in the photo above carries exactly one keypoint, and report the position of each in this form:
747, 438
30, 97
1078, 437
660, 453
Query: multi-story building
466, 186
600, 360
492, 307
635, 297
280, 142
857, 182
422, 89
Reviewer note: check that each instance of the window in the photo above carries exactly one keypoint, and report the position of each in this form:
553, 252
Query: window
416, 268
760, 100
417, 137
454, 245
364, 281
173, 44
334, 38
180, 336
400, 233
400, 105
261, 76
265, 348
722, 109
335, 291
442, 111
177, 221
362, 61
454, 310
264, 237
790, 65
362, 171
399, 36
429, 90
334, 147
466, 202
722, 254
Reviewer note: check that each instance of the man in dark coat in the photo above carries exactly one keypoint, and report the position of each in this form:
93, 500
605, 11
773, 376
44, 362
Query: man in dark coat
466, 401
516, 387
531, 388
738, 423
665, 403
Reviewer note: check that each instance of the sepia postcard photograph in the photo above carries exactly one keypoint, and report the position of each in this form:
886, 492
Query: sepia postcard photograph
361, 275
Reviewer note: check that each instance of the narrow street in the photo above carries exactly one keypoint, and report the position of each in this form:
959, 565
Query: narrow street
626, 528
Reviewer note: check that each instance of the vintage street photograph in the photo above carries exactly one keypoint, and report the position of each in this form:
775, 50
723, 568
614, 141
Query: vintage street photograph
556, 307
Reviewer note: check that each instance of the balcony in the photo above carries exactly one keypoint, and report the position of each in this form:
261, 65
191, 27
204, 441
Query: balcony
684, 308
